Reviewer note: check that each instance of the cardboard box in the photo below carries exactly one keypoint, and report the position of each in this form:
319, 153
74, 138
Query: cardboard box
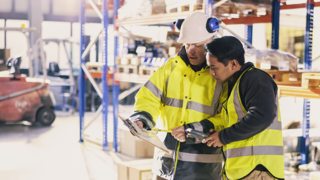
133, 146
141, 172
124, 167
315, 175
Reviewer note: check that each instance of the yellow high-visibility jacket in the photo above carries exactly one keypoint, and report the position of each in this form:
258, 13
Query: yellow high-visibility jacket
264, 148
180, 96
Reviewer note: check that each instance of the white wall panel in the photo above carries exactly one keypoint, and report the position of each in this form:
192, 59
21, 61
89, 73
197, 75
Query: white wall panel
1, 34
45, 5
66, 7
17, 42
6, 5
259, 39
21, 6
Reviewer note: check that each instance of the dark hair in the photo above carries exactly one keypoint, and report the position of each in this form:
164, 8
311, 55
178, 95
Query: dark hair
225, 49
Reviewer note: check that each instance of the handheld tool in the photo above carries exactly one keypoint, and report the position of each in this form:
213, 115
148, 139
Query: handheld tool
196, 134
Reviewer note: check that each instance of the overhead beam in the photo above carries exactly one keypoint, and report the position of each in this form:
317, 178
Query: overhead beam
297, 6
248, 20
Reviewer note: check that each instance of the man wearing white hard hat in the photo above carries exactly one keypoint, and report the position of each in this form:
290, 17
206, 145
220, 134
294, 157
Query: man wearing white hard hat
183, 94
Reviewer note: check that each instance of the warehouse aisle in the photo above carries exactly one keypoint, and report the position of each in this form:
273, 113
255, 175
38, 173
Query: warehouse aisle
45, 153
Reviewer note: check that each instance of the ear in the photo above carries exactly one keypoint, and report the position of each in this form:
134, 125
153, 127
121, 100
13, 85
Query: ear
234, 63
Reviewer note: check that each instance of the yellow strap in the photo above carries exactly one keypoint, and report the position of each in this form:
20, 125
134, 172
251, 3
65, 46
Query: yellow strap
177, 155
161, 130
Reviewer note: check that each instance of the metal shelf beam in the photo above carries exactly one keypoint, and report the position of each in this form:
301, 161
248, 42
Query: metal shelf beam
153, 19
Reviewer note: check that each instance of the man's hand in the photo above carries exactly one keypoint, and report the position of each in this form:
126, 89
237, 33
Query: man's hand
140, 124
213, 140
179, 133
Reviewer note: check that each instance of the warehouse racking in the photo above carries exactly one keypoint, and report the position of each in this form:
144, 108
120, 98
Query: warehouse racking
166, 19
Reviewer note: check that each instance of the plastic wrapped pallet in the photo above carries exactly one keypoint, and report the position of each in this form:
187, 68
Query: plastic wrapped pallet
139, 8
272, 58
255, 2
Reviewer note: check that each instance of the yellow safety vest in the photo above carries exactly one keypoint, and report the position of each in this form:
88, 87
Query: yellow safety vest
265, 148
180, 95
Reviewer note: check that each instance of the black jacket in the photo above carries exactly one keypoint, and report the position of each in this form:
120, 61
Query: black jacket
257, 92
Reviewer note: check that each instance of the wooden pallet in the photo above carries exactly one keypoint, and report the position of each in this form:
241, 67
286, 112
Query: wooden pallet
285, 77
127, 69
310, 80
136, 61
243, 10
185, 8
146, 70
94, 66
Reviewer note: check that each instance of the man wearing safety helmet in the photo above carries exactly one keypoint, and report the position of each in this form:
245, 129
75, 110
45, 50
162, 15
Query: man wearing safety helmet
184, 95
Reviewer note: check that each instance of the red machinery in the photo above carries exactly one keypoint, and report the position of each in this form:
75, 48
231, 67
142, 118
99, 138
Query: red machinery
23, 98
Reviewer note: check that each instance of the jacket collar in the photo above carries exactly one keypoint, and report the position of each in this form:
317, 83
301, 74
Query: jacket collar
183, 55
237, 74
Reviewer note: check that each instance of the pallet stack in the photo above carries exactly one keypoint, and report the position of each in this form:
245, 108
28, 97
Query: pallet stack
285, 77
227, 9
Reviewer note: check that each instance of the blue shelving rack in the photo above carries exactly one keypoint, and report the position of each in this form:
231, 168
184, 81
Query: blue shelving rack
307, 66
115, 87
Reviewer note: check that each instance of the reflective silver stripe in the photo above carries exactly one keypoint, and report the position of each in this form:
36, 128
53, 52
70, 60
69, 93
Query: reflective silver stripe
215, 100
154, 89
211, 110
149, 122
200, 158
276, 124
254, 151
197, 126
173, 65
165, 97
174, 102
237, 104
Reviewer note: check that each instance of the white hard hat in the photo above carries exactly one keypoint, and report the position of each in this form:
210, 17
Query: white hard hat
197, 27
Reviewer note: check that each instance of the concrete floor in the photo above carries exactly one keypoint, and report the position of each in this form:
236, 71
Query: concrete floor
44, 153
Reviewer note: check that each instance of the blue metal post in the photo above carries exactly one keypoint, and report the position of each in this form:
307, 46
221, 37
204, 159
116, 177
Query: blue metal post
275, 20
307, 66
63, 98
115, 88
308, 35
209, 7
305, 132
248, 35
104, 75
82, 85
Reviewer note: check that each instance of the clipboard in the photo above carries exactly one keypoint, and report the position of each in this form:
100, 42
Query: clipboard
147, 136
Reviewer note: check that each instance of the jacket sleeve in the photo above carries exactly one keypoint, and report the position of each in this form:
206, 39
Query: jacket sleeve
149, 99
259, 92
